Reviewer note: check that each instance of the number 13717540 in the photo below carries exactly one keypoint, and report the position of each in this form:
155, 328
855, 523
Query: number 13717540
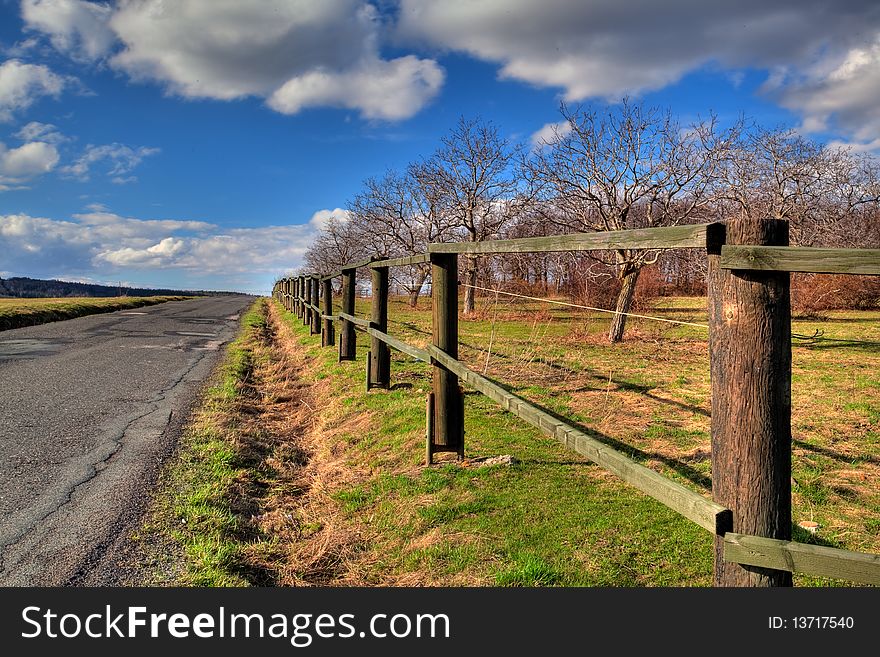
811, 623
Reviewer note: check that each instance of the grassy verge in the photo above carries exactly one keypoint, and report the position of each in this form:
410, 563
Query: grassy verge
16, 313
292, 474
194, 520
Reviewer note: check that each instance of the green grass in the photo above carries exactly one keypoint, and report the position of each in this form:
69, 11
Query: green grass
551, 519
554, 519
195, 507
16, 313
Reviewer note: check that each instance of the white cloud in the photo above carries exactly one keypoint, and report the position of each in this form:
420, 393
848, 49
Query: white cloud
295, 53
118, 159
36, 131
31, 159
392, 90
321, 218
854, 147
548, 133
76, 28
824, 55
22, 84
842, 90
101, 244
22, 164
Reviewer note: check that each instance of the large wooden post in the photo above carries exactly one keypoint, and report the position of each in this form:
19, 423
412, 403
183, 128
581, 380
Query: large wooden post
288, 290
328, 333
347, 338
380, 355
448, 403
316, 316
295, 304
750, 364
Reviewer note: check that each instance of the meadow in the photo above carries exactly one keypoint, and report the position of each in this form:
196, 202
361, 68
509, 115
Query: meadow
294, 474
16, 312
553, 518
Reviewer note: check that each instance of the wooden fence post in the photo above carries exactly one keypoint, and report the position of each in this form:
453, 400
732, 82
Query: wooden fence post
288, 290
750, 365
295, 300
328, 335
316, 316
448, 425
380, 355
347, 338
307, 296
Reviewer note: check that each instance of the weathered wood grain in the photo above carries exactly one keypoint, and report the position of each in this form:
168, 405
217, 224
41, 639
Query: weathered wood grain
750, 373
401, 262
802, 259
802, 558
671, 237
400, 345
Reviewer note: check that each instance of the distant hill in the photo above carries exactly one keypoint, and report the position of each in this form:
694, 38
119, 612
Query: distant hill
35, 287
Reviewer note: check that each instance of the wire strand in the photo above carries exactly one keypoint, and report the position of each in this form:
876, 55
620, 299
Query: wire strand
575, 305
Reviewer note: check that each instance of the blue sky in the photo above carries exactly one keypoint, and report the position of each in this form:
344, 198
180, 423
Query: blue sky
201, 143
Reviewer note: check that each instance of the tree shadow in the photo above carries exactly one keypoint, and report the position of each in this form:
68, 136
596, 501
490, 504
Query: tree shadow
630, 386
837, 456
683, 469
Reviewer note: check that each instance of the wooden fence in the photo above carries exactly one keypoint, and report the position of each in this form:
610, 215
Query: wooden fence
750, 365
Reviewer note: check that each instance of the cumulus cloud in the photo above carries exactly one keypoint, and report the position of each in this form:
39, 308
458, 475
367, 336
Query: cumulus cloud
393, 90
844, 90
549, 132
22, 84
295, 53
117, 159
78, 29
22, 164
102, 244
321, 218
824, 53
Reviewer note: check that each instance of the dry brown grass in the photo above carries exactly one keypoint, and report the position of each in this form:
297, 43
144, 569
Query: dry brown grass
302, 464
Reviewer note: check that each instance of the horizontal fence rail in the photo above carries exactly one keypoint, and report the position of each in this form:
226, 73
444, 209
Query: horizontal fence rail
400, 345
801, 259
357, 321
400, 262
707, 514
802, 557
672, 237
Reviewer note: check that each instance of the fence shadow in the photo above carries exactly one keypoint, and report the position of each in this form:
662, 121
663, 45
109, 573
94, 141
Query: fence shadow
683, 469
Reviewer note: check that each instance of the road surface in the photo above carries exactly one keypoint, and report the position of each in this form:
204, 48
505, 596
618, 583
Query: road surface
89, 410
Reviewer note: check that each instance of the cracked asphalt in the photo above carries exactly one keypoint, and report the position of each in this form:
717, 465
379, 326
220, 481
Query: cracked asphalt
89, 410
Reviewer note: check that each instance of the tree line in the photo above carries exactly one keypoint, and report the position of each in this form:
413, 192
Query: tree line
24, 287
619, 167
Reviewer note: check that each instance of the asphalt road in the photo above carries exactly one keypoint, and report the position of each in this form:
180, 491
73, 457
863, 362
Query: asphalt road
89, 410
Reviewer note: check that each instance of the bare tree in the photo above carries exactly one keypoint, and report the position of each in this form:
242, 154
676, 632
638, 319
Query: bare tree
337, 244
397, 215
474, 175
629, 166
